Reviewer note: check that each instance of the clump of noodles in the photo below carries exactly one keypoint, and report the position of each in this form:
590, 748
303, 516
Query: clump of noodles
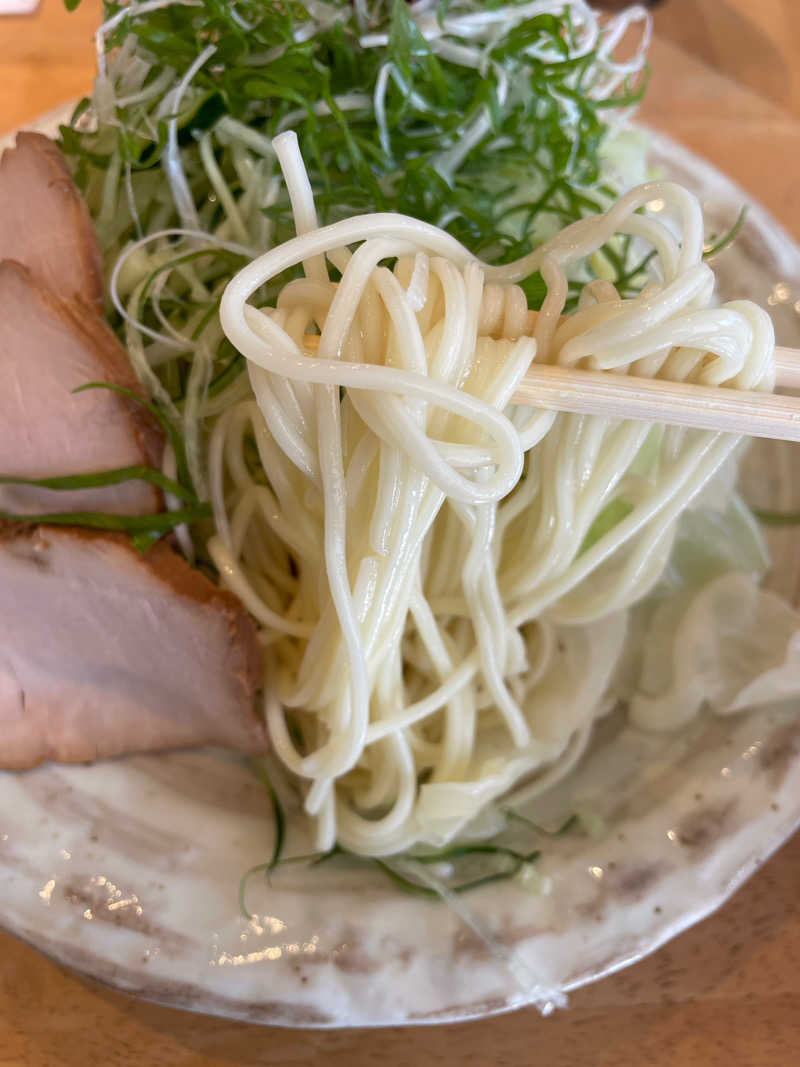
441, 577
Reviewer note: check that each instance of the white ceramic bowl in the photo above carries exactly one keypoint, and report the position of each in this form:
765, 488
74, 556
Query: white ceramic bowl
129, 870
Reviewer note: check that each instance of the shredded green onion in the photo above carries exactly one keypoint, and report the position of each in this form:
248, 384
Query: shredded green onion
99, 479
173, 435
501, 862
159, 522
714, 247
777, 518
387, 119
279, 817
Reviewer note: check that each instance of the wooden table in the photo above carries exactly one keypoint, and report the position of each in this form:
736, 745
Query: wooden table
726, 82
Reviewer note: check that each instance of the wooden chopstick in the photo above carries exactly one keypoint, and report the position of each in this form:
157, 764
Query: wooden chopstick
655, 400
586, 392
787, 368
703, 407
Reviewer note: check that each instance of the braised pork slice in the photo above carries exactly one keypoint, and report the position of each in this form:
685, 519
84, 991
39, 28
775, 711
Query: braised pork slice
105, 651
48, 346
44, 221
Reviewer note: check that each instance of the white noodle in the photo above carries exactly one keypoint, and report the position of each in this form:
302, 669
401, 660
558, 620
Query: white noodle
445, 625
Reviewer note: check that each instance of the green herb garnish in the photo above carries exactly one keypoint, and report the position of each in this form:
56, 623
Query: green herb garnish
497, 137
159, 522
776, 518
279, 817
535, 94
144, 530
100, 479
171, 432
474, 864
715, 246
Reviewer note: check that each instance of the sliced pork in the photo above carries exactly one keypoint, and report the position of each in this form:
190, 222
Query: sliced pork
104, 651
44, 221
48, 346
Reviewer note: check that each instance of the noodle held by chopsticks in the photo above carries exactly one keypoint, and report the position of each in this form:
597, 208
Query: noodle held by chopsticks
443, 577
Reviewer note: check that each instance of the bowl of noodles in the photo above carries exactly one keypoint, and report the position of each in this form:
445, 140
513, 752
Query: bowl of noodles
530, 678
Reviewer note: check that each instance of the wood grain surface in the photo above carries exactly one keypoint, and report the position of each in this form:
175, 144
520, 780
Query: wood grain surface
726, 82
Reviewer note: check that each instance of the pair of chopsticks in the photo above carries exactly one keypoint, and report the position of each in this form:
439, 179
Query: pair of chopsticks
702, 407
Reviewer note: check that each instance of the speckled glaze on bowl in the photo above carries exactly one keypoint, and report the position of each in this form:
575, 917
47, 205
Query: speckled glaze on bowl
129, 870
